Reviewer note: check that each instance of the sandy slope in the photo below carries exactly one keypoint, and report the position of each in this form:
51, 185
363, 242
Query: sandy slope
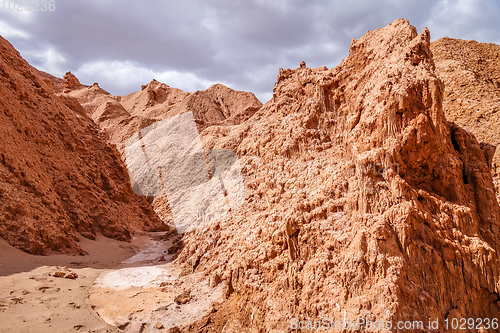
471, 73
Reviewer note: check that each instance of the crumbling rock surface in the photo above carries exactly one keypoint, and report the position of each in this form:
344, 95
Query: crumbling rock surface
471, 73
58, 178
362, 199
217, 105
54, 83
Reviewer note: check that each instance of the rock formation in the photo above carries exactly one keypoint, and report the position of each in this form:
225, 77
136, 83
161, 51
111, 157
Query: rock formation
58, 178
362, 199
121, 116
70, 82
52, 82
471, 73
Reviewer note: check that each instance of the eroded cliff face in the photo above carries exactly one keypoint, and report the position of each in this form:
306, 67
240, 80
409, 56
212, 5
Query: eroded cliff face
58, 178
471, 73
362, 199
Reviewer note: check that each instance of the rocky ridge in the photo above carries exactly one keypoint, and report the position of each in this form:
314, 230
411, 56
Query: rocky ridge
121, 116
471, 73
362, 199
58, 178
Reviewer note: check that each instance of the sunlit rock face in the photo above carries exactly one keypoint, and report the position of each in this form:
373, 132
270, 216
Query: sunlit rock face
121, 119
362, 200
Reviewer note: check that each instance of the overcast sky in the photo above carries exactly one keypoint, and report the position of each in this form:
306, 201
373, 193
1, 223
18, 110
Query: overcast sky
191, 44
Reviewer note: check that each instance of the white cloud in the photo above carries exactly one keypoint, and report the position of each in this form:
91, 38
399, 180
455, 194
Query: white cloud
126, 77
121, 78
7, 31
191, 44
48, 60
20, 13
466, 19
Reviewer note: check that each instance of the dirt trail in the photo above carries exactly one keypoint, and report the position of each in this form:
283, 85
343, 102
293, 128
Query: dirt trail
136, 287
148, 293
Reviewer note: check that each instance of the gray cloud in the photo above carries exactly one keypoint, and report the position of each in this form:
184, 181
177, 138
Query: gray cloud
191, 44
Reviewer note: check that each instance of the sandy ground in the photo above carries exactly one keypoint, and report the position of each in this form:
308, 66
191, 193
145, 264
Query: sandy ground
135, 286
147, 293
31, 300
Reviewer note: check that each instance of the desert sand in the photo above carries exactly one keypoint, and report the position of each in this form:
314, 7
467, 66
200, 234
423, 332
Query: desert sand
117, 287
31, 300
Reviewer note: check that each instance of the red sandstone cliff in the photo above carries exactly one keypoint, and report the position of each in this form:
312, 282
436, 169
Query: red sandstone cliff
58, 178
361, 197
